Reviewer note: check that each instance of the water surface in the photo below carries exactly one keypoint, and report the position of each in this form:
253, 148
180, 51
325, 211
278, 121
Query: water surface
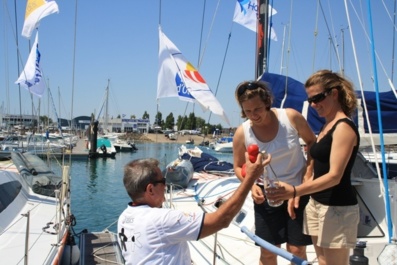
98, 194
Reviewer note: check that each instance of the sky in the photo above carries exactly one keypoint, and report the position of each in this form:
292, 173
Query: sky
92, 43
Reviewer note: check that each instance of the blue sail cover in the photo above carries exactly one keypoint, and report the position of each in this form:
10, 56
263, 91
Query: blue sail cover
296, 96
388, 107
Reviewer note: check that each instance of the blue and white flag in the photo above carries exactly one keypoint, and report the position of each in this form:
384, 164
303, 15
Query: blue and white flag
246, 14
177, 77
31, 77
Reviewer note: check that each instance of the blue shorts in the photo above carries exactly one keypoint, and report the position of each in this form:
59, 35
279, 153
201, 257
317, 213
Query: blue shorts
274, 224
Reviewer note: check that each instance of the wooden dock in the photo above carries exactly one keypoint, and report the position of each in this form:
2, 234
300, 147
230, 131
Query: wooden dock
78, 152
99, 248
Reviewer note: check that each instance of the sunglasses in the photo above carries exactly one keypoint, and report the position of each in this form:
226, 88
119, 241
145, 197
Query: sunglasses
319, 97
163, 180
249, 86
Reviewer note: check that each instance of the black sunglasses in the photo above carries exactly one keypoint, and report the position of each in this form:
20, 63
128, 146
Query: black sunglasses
163, 180
319, 97
249, 86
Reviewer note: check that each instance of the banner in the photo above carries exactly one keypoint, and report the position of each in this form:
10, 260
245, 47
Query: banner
35, 11
179, 78
31, 77
246, 15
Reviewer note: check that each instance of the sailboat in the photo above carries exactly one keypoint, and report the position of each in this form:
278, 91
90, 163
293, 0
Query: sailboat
376, 230
105, 143
35, 217
207, 191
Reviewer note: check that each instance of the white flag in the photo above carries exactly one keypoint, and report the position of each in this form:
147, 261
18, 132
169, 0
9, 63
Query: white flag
246, 15
31, 77
178, 78
35, 11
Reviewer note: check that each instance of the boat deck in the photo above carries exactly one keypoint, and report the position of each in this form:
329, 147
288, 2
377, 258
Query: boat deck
99, 248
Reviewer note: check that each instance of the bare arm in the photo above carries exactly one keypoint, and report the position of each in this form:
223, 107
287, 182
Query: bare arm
344, 139
239, 150
305, 132
213, 222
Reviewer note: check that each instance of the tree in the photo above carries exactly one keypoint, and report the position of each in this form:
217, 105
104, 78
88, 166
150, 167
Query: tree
170, 121
133, 116
191, 122
158, 118
200, 123
45, 120
145, 115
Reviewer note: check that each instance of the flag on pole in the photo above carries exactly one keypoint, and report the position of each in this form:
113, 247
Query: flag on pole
179, 78
246, 15
35, 11
31, 77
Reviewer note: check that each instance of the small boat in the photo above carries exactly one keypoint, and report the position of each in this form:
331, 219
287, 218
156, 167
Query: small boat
105, 148
172, 136
36, 144
124, 146
190, 141
223, 145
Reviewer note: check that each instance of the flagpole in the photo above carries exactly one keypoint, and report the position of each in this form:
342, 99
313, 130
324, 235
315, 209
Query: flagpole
17, 42
73, 72
262, 38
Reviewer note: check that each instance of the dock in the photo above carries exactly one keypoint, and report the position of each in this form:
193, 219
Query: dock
99, 248
78, 152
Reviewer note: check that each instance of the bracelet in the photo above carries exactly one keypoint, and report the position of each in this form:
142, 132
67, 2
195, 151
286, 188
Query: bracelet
294, 192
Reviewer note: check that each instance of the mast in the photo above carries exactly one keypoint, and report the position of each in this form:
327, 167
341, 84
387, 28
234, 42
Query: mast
106, 108
262, 38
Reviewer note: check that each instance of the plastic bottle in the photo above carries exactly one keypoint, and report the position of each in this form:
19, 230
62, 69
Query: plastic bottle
358, 257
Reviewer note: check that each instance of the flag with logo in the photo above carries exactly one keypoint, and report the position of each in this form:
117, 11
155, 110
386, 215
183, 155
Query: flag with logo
177, 77
35, 11
31, 77
246, 15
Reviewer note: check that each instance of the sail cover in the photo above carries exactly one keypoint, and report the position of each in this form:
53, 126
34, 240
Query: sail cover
292, 94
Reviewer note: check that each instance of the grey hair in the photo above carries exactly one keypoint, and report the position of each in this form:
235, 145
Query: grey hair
138, 174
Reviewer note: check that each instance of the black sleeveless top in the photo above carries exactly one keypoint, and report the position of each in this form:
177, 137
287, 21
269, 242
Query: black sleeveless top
343, 193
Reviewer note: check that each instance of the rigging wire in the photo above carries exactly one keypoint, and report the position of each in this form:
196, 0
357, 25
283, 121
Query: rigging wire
385, 179
224, 58
315, 35
384, 189
377, 56
6, 73
329, 32
288, 57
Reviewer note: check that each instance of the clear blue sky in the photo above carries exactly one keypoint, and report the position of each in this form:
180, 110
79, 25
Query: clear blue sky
118, 40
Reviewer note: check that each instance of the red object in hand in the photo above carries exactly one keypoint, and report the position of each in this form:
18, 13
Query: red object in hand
243, 170
253, 151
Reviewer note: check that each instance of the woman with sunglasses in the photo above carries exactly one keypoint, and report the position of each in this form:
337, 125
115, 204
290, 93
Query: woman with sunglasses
332, 214
276, 131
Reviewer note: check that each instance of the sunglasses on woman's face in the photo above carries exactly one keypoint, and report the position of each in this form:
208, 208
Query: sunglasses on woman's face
249, 86
319, 97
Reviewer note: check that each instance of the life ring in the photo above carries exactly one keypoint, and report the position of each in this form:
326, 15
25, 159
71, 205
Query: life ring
103, 149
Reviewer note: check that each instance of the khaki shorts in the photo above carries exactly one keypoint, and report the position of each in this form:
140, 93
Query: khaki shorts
335, 226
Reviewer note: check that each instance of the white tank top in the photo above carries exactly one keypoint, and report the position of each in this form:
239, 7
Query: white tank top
288, 161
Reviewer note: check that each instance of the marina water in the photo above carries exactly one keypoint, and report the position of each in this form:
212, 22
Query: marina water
97, 190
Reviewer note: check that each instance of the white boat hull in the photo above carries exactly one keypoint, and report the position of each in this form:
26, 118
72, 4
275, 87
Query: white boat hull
234, 247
